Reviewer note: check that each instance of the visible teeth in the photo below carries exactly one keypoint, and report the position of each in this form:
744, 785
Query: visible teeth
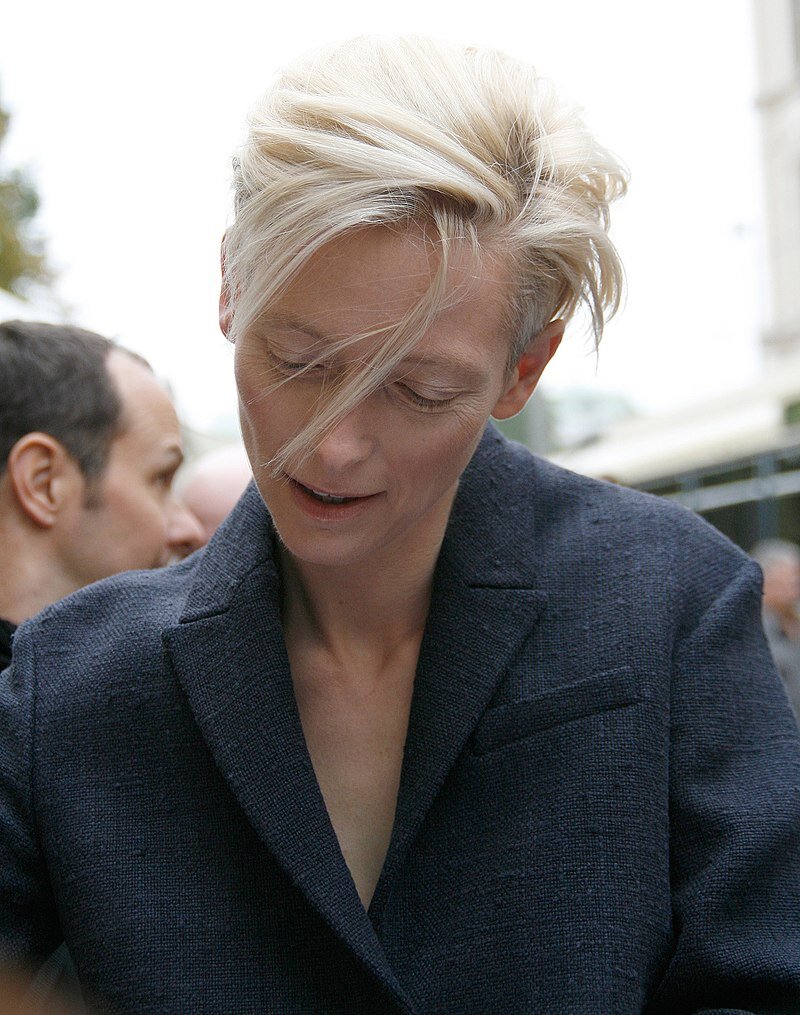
326, 498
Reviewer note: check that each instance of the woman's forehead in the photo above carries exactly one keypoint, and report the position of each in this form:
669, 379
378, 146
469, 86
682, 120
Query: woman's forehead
374, 277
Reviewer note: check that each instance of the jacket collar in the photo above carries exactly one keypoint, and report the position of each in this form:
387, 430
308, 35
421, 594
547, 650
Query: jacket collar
492, 512
229, 655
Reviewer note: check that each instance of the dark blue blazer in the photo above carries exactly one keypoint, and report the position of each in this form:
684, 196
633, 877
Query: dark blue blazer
599, 809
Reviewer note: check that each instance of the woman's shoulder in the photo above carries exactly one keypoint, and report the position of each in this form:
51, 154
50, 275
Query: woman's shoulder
557, 511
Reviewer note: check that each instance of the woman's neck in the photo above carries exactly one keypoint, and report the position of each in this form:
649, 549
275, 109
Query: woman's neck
361, 609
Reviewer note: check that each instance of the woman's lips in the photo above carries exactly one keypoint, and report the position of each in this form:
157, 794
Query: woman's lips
330, 498
327, 505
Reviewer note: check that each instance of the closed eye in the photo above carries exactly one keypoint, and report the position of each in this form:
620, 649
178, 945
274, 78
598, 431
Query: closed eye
287, 366
425, 403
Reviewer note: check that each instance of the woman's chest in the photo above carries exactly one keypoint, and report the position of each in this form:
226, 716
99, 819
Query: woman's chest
355, 730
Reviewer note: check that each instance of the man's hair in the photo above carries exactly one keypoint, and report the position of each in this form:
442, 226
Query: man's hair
469, 143
54, 379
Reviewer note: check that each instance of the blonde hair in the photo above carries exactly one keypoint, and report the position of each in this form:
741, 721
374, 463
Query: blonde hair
390, 131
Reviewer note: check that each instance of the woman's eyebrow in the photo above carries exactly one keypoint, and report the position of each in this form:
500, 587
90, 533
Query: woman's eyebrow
464, 371
290, 322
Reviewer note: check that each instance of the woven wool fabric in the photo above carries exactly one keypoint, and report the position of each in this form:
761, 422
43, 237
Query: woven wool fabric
599, 809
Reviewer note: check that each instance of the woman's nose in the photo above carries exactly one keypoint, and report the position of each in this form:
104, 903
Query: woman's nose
348, 443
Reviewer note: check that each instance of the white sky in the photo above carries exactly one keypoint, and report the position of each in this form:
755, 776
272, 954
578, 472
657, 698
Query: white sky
126, 116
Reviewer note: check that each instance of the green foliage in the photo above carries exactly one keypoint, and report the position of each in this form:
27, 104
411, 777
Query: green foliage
791, 413
515, 428
22, 259
533, 426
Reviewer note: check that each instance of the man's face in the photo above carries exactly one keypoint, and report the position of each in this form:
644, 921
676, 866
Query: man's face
129, 517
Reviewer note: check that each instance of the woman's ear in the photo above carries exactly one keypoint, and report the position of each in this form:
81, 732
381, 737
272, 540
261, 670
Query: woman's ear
225, 307
525, 375
42, 476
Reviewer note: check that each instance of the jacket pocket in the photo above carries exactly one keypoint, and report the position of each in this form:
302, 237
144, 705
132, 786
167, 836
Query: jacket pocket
601, 692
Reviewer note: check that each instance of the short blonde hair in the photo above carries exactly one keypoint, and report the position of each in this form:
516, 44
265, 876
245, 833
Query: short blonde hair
469, 142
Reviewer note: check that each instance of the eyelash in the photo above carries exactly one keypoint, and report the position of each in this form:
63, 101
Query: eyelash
413, 396
422, 402
283, 364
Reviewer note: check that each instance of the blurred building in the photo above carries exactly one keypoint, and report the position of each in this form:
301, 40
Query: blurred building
777, 30
573, 418
736, 458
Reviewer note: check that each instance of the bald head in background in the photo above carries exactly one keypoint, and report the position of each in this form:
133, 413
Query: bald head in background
213, 485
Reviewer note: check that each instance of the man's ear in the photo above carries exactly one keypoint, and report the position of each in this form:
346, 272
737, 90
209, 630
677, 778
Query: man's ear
225, 298
43, 476
525, 375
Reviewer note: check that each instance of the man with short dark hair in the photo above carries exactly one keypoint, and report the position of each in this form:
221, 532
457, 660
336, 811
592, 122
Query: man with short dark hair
89, 446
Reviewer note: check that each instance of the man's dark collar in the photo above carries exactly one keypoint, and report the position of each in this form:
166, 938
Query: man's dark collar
6, 631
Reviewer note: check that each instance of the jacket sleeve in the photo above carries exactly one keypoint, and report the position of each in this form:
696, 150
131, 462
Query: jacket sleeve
28, 924
734, 818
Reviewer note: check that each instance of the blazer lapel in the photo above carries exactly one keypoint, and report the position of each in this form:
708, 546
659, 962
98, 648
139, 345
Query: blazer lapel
229, 655
483, 607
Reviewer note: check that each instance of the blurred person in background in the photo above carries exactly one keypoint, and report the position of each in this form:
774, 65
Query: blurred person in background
89, 448
780, 562
213, 483
431, 725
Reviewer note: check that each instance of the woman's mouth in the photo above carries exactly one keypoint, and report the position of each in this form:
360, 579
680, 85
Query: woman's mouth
328, 498
325, 505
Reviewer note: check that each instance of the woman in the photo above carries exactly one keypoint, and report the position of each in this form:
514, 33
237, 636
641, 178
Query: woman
430, 726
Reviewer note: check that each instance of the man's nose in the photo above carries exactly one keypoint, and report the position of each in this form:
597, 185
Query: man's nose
184, 532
